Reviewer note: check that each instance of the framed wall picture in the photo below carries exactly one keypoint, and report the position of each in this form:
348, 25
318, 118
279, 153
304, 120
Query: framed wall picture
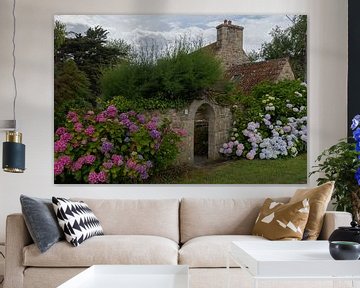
180, 99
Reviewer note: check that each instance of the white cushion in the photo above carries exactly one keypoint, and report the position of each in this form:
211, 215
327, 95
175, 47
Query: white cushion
211, 251
76, 220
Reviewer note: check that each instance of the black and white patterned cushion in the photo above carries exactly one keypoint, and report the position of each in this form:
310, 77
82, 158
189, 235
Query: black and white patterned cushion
77, 220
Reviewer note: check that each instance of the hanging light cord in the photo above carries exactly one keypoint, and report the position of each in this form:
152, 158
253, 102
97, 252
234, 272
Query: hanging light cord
14, 59
2, 277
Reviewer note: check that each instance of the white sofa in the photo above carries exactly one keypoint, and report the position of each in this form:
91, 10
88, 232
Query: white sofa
194, 232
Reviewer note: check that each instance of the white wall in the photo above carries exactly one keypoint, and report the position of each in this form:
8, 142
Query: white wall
327, 89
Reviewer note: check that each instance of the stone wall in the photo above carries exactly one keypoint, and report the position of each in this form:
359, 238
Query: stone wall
219, 119
286, 73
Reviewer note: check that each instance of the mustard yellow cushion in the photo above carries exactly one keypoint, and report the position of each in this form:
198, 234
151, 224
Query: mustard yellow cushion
279, 221
319, 198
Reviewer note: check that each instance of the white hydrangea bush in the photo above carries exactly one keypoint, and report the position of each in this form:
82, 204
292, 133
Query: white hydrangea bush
270, 123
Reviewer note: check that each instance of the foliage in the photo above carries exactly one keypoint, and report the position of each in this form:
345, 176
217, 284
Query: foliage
149, 50
71, 89
225, 97
113, 147
124, 50
59, 35
179, 76
143, 105
271, 123
78, 63
61, 109
253, 56
70, 82
289, 42
91, 52
341, 163
224, 93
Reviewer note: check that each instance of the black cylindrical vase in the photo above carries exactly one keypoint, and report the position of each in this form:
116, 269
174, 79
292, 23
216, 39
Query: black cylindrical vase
13, 153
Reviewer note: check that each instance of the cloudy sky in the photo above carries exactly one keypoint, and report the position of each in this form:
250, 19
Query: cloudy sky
166, 28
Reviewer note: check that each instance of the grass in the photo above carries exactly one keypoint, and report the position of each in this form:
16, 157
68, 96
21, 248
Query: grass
280, 171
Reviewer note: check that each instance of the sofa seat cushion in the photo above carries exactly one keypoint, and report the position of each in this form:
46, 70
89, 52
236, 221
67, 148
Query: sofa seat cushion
107, 249
211, 251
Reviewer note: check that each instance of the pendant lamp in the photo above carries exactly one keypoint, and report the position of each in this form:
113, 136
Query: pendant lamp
13, 160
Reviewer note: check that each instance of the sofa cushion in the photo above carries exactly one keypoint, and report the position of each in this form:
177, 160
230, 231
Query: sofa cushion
211, 251
319, 198
107, 249
279, 221
77, 220
41, 221
158, 217
201, 217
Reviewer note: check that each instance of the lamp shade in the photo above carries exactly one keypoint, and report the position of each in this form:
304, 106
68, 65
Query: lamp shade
13, 153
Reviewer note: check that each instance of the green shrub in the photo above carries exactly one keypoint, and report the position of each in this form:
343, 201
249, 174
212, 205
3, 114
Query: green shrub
71, 90
179, 76
143, 104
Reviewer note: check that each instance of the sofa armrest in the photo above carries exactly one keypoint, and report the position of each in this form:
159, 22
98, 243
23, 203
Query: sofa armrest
333, 220
17, 237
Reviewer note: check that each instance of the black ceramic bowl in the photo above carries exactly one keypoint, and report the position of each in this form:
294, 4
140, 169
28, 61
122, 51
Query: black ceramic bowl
344, 250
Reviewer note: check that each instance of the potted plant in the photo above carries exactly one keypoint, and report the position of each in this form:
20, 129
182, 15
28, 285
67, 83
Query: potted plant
341, 163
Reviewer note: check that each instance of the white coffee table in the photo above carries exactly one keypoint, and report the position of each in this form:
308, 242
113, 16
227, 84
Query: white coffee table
296, 260
131, 276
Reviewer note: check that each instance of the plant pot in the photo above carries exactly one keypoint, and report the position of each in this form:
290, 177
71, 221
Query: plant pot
351, 233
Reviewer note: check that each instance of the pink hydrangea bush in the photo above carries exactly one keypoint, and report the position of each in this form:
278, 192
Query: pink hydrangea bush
113, 147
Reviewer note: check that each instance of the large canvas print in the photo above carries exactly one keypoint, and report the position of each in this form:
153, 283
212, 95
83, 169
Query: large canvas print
180, 99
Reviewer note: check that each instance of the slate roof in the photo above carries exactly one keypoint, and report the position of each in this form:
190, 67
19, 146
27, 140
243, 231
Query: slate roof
249, 74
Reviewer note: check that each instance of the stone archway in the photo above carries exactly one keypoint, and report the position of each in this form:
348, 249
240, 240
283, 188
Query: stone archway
204, 134
219, 122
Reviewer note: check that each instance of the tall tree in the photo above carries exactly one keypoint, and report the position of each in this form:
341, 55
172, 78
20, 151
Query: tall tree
290, 42
59, 34
59, 38
124, 50
71, 90
70, 82
92, 54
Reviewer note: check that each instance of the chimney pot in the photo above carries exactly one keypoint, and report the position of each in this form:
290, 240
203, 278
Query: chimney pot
225, 21
229, 22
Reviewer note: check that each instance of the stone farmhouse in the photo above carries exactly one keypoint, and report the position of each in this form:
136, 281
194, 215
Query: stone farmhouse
229, 49
208, 123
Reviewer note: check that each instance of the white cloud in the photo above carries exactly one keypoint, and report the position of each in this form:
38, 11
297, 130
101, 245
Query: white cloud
131, 28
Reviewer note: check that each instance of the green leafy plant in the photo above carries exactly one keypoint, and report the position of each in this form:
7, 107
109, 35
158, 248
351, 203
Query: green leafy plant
143, 104
178, 76
340, 163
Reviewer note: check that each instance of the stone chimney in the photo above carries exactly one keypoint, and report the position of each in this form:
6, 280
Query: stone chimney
229, 34
230, 44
